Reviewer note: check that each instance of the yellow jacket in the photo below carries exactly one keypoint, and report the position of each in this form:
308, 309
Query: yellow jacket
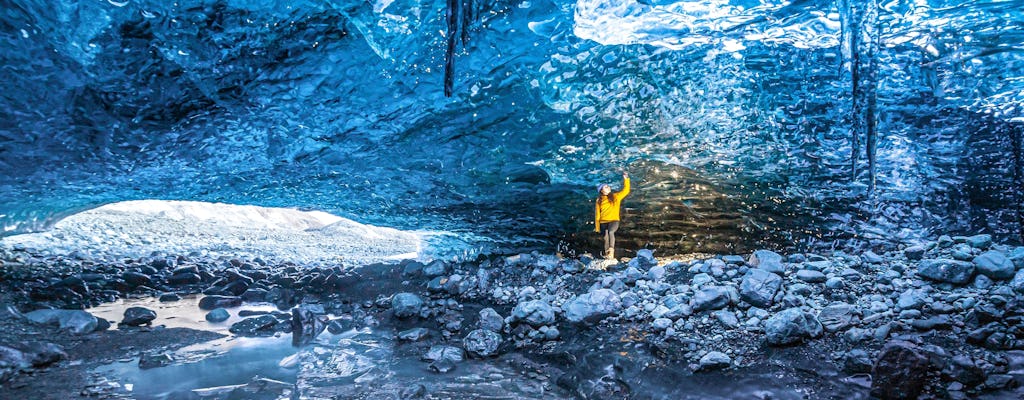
608, 211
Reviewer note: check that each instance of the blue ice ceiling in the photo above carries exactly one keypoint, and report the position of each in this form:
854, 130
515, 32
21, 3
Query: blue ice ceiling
779, 121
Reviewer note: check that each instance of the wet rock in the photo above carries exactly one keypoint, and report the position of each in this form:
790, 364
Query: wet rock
443, 352
155, 360
837, 316
442, 366
767, 260
136, 279
218, 315
914, 252
945, 270
871, 258
912, 299
435, 269
307, 323
936, 322
791, 326
857, 361
995, 265
405, 305
534, 312
75, 321
592, 306
491, 320
414, 334
711, 298
715, 360
184, 279
212, 302
256, 326
482, 343
727, 318
835, 283
759, 287
138, 316
899, 372
661, 324
28, 354
979, 241
168, 297
811, 276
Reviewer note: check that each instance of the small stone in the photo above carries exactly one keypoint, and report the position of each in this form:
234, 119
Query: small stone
811, 276
482, 343
835, 283
758, 287
491, 320
871, 258
715, 360
661, 324
405, 305
218, 315
791, 326
914, 252
212, 302
711, 298
837, 316
137, 316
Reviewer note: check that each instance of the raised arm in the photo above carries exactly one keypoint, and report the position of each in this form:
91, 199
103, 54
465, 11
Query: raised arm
625, 188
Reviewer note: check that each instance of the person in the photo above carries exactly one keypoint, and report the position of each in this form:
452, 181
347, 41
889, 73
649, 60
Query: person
606, 213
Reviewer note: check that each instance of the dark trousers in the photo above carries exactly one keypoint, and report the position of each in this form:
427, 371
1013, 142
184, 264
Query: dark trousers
609, 228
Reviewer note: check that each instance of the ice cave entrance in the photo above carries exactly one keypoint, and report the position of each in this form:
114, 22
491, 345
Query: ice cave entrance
144, 228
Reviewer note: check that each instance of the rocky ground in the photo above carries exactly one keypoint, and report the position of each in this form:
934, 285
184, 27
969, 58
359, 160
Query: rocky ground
940, 319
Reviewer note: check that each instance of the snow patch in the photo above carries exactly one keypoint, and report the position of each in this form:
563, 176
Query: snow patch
141, 228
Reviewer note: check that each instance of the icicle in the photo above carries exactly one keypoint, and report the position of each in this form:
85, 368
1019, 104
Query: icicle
452, 19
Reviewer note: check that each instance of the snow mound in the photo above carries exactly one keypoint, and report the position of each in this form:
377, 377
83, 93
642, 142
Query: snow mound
141, 228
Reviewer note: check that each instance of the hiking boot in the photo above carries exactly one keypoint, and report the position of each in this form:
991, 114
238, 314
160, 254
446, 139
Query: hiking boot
609, 254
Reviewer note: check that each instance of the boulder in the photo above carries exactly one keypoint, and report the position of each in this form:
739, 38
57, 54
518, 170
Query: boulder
137, 316
791, 326
75, 321
837, 316
759, 287
491, 320
592, 306
946, 270
995, 265
256, 326
218, 315
212, 302
715, 360
767, 260
534, 312
900, 371
711, 298
980, 241
1017, 257
482, 343
811, 276
405, 305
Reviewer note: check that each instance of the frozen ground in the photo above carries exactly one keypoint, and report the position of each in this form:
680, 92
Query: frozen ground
140, 228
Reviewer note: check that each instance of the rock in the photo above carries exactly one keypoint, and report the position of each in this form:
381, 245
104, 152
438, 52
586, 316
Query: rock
405, 305
835, 283
75, 321
767, 260
1017, 283
791, 326
733, 259
914, 252
631, 275
414, 334
727, 318
714, 360
491, 320
979, 241
900, 371
218, 315
154, 360
656, 273
644, 259
857, 361
1017, 257
592, 306
759, 287
995, 265
307, 323
534, 312
936, 322
811, 276
29, 354
482, 343
946, 270
711, 298
661, 324
138, 316
212, 302
837, 316
435, 269
871, 258
184, 279
168, 297
442, 352
136, 279
256, 326
912, 299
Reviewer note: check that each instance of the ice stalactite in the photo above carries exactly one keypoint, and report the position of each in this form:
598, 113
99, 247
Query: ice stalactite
458, 16
860, 45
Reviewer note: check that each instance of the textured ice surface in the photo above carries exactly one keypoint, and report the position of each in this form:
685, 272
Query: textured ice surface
338, 106
140, 228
